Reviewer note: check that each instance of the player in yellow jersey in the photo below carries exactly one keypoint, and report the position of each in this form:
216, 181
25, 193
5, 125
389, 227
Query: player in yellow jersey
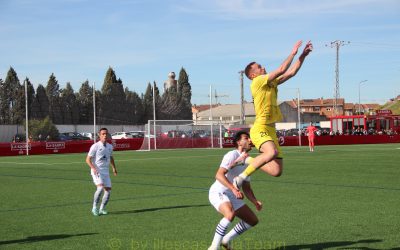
264, 89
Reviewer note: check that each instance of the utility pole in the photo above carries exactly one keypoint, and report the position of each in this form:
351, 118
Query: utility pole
218, 96
337, 44
242, 114
359, 96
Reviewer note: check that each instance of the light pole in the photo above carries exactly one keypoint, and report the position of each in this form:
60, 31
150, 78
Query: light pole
359, 95
242, 115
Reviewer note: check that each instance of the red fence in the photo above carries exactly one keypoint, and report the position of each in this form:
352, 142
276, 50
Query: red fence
331, 140
10, 149
35, 148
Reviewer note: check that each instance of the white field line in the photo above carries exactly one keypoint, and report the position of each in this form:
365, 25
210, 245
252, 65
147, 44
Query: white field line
83, 162
167, 158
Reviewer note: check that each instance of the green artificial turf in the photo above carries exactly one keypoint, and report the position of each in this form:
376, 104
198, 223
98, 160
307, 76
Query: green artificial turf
338, 197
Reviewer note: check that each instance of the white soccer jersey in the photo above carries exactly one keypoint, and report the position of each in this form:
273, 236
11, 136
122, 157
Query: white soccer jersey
101, 154
234, 171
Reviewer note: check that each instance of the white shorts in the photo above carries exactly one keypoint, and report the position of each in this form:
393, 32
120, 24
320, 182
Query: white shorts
101, 179
217, 198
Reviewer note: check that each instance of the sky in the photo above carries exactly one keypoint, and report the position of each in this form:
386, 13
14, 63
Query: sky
144, 40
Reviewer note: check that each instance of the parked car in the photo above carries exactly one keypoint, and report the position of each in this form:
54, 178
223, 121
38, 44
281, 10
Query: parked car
88, 134
121, 135
137, 134
62, 137
18, 138
76, 136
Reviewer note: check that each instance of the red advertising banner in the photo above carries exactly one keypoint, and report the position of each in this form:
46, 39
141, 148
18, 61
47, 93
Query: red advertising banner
384, 112
55, 146
35, 148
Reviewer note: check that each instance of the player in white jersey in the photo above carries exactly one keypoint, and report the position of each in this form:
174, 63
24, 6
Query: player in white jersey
227, 199
99, 159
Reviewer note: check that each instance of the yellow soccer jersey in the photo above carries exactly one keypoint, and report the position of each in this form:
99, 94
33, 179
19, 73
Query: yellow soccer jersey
265, 95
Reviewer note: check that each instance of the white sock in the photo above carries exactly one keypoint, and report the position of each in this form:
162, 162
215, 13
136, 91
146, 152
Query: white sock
220, 232
105, 199
239, 228
97, 195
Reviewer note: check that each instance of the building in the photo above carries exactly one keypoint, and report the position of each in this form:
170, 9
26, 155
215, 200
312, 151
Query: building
311, 110
229, 114
320, 106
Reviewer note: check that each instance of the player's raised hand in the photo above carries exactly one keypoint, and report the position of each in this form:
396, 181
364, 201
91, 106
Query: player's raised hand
296, 47
308, 48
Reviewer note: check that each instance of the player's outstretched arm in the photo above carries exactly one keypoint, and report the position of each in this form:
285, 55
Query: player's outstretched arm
297, 65
248, 192
285, 65
220, 176
114, 168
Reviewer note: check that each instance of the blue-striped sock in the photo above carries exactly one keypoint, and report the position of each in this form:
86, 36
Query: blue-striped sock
105, 199
97, 195
220, 232
239, 228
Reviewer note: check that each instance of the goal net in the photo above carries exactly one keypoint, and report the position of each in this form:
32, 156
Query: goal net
172, 134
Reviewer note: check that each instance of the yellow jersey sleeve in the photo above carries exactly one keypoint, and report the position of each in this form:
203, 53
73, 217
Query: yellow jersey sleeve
265, 98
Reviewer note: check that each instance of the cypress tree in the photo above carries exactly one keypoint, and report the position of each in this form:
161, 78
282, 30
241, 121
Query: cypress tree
148, 104
113, 95
14, 98
4, 107
70, 105
31, 98
135, 107
53, 95
170, 106
43, 103
85, 100
185, 92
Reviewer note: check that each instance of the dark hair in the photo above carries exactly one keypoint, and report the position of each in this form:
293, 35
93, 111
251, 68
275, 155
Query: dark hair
238, 137
248, 68
103, 129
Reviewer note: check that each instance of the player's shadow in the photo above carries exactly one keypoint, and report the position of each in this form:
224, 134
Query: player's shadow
33, 239
157, 209
331, 244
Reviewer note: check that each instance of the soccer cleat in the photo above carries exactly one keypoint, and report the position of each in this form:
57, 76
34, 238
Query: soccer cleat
238, 181
227, 245
95, 212
103, 212
213, 248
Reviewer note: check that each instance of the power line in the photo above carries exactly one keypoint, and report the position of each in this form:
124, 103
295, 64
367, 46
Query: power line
377, 45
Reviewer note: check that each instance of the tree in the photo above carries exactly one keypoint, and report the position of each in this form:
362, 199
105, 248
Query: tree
4, 106
13, 96
114, 100
42, 102
185, 91
148, 104
135, 107
170, 106
53, 94
85, 100
31, 97
70, 105
43, 128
